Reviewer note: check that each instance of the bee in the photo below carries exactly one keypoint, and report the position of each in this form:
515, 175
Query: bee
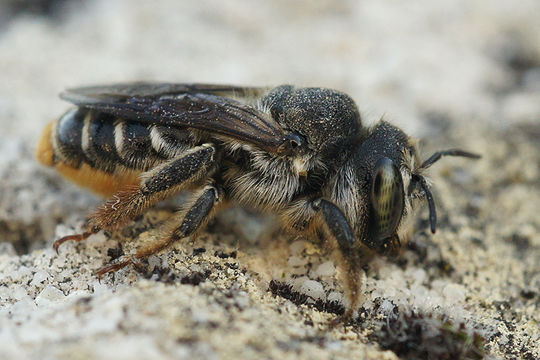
302, 154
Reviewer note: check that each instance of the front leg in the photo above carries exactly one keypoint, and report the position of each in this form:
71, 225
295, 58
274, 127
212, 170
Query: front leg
353, 256
336, 223
192, 218
306, 214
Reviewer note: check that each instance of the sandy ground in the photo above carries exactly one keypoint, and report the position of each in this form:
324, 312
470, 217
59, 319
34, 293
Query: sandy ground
455, 74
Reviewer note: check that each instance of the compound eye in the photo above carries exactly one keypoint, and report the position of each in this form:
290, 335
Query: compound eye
387, 198
293, 144
295, 141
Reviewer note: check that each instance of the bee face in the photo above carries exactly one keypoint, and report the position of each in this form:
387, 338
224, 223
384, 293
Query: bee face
300, 153
389, 188
377, 193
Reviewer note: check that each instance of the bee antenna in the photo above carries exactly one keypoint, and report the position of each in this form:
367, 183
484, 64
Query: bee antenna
450, 152
429, 197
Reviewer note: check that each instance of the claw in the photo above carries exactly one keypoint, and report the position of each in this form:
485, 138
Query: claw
349, 316
114, 267
76, 237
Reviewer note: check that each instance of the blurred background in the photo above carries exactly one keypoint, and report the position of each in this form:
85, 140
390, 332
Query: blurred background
477, 60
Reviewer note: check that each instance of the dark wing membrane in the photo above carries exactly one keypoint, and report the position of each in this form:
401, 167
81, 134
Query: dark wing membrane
156, 89
199, 106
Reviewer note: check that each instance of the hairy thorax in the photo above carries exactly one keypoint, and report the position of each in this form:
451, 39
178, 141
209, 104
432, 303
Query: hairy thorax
269, 183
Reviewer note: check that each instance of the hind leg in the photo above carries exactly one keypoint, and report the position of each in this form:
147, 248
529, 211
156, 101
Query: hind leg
199, 211
157, 184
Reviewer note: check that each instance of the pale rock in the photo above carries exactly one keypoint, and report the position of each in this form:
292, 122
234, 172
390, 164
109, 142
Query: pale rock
454, 292
7, 249
297, 261
18, 292
297, 247
327, 268
335, 296
39, 277
313, 289
49, 295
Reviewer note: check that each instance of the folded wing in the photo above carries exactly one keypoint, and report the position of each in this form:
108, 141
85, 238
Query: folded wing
217, 109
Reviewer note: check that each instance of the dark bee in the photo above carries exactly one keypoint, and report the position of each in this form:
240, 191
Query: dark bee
300, 153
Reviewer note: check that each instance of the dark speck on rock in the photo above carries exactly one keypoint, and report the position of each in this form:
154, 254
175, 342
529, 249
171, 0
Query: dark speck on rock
115, 253
198, 251
195, 278
528, 294
522, 243
223, 255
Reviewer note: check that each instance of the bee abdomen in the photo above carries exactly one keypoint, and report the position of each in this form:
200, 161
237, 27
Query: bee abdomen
84, 145
105, 142
134, 145
79, 136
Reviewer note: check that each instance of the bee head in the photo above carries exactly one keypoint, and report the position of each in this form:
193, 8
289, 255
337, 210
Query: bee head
391, 183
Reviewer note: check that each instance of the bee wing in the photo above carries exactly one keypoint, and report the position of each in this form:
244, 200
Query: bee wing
200, 106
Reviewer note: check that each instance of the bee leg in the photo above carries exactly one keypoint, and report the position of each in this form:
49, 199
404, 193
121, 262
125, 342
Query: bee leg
338, 227
121, 263
337, 224
77, 238
156, 185
199, 211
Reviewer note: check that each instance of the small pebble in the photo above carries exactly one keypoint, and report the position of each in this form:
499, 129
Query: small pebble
297, 247
6, 248
19, 292
326, 269
48, 296
153, 262
454, 292
335, 296
39, 277
313, 289
296, 261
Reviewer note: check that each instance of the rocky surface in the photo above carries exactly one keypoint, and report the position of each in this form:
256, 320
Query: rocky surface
460, 74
